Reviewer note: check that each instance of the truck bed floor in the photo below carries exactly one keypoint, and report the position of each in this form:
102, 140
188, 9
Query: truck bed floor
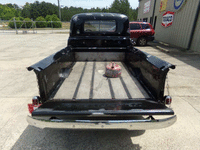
87, 81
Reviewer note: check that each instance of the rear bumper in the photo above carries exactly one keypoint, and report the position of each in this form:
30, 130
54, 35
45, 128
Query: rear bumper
103, 124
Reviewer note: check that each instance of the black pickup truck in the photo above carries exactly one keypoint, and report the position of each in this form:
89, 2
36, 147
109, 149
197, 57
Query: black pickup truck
74, 92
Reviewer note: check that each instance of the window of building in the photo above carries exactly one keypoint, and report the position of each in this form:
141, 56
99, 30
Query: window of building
151, 20
154, 25
145, 19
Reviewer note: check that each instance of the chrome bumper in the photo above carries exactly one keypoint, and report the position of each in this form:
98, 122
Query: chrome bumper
104, 124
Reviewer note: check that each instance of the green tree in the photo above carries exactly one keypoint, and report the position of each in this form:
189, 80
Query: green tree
7, 12
120, 6
38, 9
26, 11
115, 6
133, 14
10, 5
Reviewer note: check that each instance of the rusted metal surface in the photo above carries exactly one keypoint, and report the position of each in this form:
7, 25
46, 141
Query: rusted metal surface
113, 70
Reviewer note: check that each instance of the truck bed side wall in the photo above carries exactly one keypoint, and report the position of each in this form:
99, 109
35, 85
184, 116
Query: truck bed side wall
52, 70
150, 71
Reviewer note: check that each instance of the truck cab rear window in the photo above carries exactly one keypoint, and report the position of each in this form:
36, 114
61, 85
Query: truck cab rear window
100, 26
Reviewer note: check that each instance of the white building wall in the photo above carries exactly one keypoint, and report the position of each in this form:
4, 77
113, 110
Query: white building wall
141, 13
179, 32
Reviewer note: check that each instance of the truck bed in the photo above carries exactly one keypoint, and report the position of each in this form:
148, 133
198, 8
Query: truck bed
87, 81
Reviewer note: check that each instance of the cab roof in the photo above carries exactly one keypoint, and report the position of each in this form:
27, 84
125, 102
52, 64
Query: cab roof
139, 22
99, 16
78, 20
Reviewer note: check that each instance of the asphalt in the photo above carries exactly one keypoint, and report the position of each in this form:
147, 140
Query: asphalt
18, 86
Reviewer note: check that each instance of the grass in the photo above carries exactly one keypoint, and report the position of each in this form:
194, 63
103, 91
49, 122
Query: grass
65, 25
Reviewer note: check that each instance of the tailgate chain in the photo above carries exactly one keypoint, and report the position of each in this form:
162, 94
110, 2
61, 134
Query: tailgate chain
167, 85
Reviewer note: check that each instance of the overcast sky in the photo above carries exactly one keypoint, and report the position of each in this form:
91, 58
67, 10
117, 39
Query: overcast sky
75, 3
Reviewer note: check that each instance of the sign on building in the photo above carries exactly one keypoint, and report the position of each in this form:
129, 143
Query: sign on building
178, 4
167, 19
163, 5
147, 6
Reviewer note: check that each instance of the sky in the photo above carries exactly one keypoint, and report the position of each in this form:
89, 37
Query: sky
75, 3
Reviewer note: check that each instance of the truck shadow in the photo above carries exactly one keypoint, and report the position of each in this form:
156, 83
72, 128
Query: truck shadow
189, 59
180, 54
47, 139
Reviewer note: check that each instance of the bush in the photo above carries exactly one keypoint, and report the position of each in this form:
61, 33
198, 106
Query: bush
56, 24
27, 24
41, 24
48, 18
53, 24
18, 24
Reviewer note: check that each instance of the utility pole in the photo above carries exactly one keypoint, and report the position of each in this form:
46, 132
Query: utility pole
59, 9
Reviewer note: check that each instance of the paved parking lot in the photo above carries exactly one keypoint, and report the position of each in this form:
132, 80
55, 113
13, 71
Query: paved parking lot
18, 86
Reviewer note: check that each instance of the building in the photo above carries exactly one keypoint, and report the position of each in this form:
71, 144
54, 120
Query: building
176, 22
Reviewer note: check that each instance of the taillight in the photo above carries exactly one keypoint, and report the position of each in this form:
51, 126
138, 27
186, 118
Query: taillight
35, 104
35, 100
168, 100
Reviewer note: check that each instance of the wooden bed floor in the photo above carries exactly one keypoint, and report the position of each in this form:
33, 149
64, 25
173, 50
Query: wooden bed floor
87, 81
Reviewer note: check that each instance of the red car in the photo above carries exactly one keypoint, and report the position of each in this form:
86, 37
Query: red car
141, 32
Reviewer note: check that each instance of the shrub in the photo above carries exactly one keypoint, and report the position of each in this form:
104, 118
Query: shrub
56, 24
53, 18
48, 18
27, 24
18, 24
41, 24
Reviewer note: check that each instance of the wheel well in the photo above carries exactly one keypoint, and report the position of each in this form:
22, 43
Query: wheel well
142, 37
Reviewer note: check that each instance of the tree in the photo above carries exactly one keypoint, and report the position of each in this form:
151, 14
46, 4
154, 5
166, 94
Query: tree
10, 5
26, 11
120, 6
115, 6
37, 9
15, 6
7, 12
133, 14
